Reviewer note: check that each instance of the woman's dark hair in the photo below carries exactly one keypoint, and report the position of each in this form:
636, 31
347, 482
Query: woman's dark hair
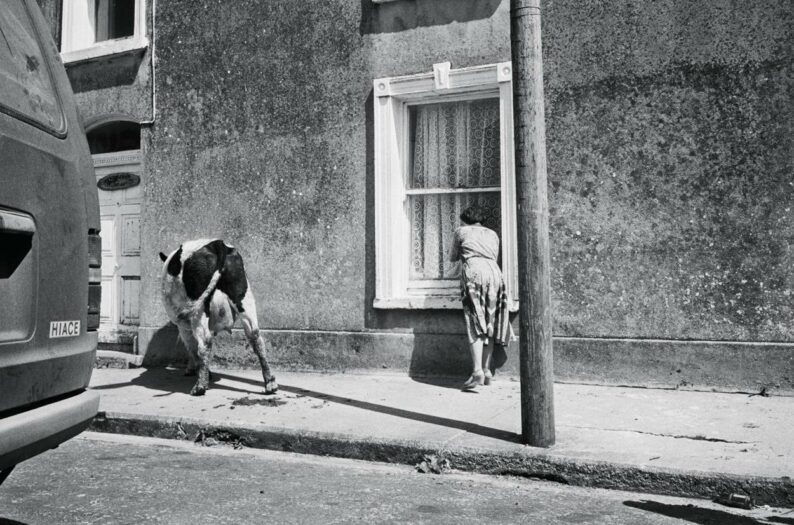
473, 214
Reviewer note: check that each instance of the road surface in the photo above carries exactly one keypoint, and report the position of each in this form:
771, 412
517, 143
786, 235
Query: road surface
103, 478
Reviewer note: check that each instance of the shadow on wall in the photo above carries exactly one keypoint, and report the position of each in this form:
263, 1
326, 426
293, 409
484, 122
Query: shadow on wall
438, 358
102, 74
7, 521
370, 317
165, 348
392, 17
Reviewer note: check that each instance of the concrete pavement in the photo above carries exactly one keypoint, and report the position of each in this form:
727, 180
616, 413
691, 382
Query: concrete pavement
661, 441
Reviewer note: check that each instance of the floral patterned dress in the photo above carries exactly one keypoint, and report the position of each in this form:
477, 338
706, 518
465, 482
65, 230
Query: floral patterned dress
481, 284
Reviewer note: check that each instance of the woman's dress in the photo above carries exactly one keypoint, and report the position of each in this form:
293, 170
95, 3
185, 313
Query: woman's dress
481, 284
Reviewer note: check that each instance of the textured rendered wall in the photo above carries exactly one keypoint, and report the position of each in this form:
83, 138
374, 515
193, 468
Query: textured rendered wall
669, 138
264, 138
671, 158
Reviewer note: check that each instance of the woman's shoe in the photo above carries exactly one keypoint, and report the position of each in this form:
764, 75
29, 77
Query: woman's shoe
488, 377
474, 381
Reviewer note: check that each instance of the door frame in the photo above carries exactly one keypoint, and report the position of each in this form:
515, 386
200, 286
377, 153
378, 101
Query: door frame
105, 164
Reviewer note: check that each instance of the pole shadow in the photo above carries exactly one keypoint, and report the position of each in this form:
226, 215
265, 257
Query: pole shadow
173, 381
780, 519
391, 411
699, 515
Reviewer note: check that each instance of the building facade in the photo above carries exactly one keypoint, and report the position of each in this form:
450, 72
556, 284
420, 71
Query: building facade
334, 142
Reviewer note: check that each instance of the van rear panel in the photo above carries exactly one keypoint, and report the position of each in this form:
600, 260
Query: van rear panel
18, 276
48, 204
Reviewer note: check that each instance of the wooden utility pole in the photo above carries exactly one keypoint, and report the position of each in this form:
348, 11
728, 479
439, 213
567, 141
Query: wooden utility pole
534, 283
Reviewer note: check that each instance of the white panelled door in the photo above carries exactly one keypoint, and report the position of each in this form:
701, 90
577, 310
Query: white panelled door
120, 210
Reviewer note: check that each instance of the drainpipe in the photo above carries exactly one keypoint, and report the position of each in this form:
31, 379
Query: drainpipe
153, 60
534, 283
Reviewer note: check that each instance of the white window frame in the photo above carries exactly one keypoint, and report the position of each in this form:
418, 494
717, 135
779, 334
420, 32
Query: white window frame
78, 33
393, 96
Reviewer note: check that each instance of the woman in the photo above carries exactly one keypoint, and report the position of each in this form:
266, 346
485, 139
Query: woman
482, 291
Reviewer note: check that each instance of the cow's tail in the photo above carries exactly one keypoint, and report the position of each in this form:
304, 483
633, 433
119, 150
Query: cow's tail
207, 293
191, 308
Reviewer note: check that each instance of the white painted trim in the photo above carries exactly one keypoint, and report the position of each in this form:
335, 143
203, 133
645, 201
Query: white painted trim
117, 158
427, 303
440, 191
393, 96
441, 75
78, 33
420, 302
422, 85
105, 49
509, 226
429, 285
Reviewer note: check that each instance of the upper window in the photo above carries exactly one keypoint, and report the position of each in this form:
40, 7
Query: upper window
94, 28
443, 141
26, 88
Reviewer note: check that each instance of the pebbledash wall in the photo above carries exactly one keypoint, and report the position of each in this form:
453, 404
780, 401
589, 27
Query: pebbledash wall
670, 130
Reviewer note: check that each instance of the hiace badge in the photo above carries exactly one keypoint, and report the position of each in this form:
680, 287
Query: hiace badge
64, 329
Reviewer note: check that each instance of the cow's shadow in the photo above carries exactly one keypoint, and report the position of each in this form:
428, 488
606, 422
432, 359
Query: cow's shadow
172, 380
165, 373
164, 363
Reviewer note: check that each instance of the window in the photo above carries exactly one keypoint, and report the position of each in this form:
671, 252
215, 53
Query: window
443, 140
26, 88
94, 28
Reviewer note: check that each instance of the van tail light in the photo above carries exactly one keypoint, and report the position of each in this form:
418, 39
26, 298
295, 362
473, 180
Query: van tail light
94, 279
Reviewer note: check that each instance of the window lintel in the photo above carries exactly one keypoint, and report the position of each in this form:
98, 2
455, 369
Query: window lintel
461, 80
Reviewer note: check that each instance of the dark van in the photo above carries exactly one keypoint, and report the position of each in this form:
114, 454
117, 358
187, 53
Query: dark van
49, 245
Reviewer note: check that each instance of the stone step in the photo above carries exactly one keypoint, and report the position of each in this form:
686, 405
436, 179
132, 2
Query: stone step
114, 359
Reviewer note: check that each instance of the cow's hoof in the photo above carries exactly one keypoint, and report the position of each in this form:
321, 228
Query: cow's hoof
271, 387
198, 390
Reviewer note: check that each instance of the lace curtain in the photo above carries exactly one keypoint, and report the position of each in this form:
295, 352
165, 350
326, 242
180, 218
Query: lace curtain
455, 146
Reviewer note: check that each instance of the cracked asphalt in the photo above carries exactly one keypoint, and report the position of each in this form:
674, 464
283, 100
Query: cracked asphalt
100, 478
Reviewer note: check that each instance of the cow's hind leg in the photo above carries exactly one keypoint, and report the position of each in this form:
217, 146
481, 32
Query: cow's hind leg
186, 335
203, 336
255, 339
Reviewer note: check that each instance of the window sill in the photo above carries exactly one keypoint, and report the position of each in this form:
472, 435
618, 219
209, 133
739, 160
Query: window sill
419, 303
104, 50
426, 303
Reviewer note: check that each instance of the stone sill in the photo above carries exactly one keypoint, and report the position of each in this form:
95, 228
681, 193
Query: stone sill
104, 50
426, 303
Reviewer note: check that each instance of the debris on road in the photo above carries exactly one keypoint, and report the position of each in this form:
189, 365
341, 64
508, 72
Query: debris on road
213, 438
247, 401
740, 501
431, 464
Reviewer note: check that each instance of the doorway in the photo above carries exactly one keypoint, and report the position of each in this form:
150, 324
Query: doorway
116, 151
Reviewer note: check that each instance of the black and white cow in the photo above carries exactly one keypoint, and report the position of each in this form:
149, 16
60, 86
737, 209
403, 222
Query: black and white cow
204, 291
